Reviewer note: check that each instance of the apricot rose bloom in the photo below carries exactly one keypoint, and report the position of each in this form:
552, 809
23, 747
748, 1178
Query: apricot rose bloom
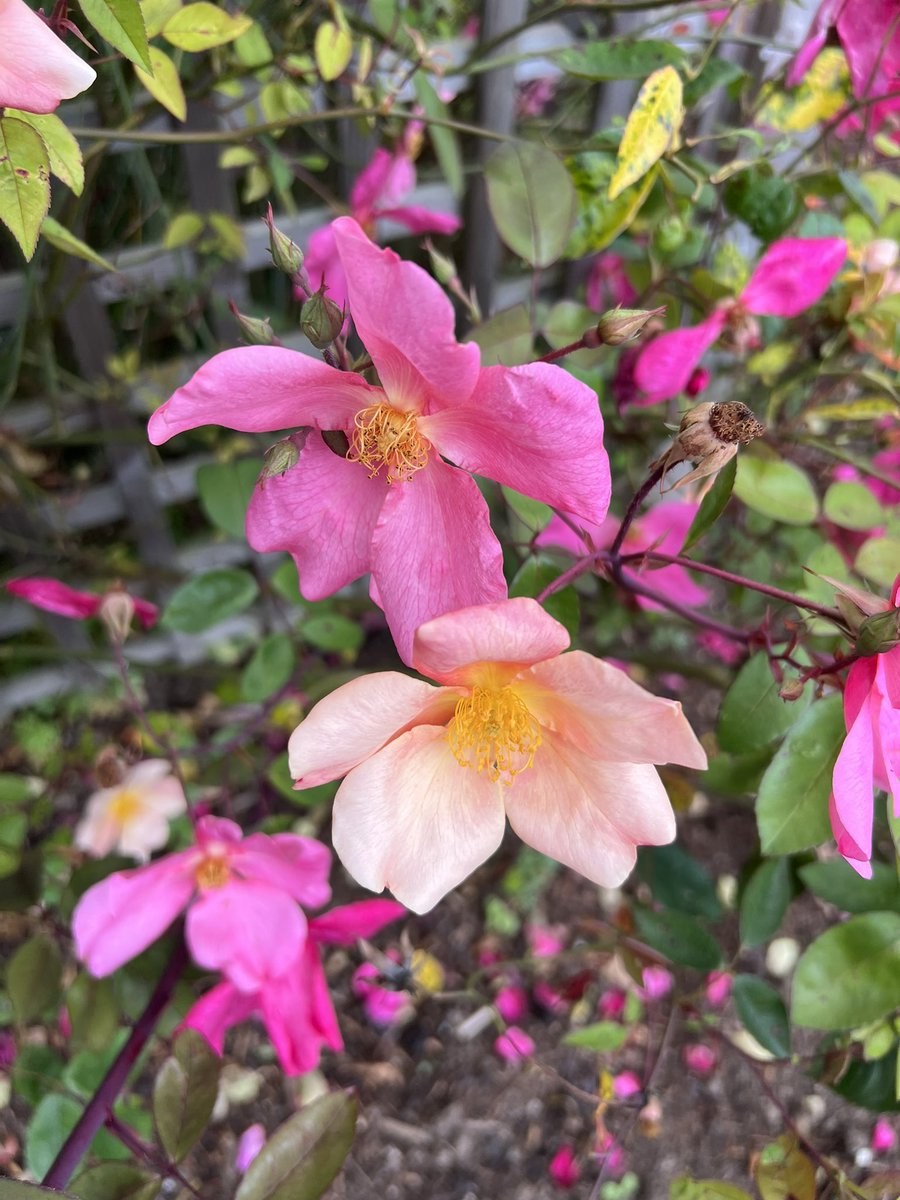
562, 744
394, 506
37, 69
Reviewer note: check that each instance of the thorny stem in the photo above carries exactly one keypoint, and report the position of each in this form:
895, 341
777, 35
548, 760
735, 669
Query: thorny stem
682, 610
553, 355
76, 1144
149, 1154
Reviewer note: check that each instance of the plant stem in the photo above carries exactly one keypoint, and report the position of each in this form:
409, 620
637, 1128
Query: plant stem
76, 1144
636, 501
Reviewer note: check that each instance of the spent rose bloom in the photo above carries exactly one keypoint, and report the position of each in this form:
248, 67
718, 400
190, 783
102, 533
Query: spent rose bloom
37, 69
790, 277
132, 817
295, 1003
375, 196
115, 606
242, 896
394, 507
870, 755
560, 743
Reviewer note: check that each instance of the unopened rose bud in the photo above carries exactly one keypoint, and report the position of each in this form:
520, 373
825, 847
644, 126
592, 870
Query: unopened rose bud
791, 690
115, 611
256, 330
880, 255
286, 255
321, 320
698, 382
878, 634
281, 457
622, 324
709, 435
442, 267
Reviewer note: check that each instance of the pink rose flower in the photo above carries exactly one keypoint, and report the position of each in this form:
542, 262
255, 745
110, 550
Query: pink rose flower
790, 277
37, 69
514, 1045
870, 755
115, 606
132, 817
242, 896
295, 1003
393, 506
562, 744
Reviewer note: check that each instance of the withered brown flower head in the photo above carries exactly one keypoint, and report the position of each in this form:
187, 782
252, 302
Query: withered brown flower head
734, 422
709, 436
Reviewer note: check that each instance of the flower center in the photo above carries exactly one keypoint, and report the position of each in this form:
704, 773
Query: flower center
385, 437
125, 806
492, 730
213, 872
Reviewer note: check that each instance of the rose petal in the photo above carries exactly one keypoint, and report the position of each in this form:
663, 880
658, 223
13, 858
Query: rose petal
853, 784
218, 1011
533, 428
666, 364
55, 597
792, 275
344, 925
323, 265
412, 819
297, 865
37, 69
421, 220
384, 180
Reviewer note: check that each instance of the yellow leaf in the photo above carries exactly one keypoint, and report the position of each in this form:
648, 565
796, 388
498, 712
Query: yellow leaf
60, 237
202, 26
156, 13
333, 49
783, 1171
65, 154
164, 84
651, 129
822, 93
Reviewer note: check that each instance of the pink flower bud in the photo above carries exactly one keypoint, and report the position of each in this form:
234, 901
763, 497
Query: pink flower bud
718, 988
884, 1136
115, 611
611, 1154
564, 1169
627, 1084
612, 1004
512, 1003
658, 982
549, 997
514, 1045
251, 1142
698, 382
544, 940
699, 1058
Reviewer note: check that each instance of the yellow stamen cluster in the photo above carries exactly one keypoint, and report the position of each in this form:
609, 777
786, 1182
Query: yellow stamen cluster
124, 807
213, 872
386, 437
492, 730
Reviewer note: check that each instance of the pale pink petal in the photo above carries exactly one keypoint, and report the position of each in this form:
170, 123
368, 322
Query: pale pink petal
412, 819
353, 722
148, 771
384, 180
123, 914
55, 597
406, 323
144, 833
344, 925
606, 715
323, 512
247, 930
258, 389
421, 220
37, 69
517, 633
665, 365
434, 551
218, 1011
323, 265
297, 865
533, 428
852, 800
792, 275
589, 815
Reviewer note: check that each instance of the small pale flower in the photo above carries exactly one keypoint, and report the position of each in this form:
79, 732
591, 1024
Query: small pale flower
133, 816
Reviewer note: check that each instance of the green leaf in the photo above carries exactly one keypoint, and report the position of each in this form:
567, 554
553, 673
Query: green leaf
777, 489
619, 60
163, 83
762, 1011
850, 975
600, 1037
792, 806
15, 789
783, 1172
839, 884
651, 129
208, 599
303, 1155
225, 489
93, 1012
57, 235
718, 72
599, 221
532, 201
678, 881
121, 23
269, 669
506, 338
13, 831
15, 1189
184, 1093
532, 513
203, 26
24, 182
333, 634
62, 146
678, 937
156, 13
333, 48
51, 1123
768, 893
445, 142
530, 580
712, 505
115, 1181
768, 204
686, 1188
877, 560
34, 978
852, 506
872, 1085
753, 713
